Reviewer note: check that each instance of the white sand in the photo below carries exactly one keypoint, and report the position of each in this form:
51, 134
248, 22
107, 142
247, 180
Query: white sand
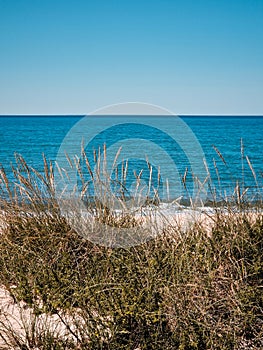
16, 321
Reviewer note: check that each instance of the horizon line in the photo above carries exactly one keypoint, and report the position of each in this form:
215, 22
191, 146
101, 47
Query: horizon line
127, 114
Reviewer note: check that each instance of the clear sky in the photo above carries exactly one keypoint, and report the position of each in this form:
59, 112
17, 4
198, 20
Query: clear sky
190, 56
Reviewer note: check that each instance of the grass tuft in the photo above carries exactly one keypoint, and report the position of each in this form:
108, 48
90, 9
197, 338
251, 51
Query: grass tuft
184, 289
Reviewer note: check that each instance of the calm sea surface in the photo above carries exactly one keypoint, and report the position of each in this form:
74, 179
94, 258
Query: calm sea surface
32, 136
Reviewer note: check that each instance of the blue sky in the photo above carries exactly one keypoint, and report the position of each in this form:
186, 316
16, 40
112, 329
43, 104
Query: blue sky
71, 57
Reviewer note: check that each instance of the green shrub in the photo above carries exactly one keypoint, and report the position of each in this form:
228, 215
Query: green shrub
183, 290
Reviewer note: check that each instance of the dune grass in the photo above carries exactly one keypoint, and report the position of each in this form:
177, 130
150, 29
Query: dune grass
184, 289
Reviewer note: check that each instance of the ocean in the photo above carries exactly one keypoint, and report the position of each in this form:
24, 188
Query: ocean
232, 146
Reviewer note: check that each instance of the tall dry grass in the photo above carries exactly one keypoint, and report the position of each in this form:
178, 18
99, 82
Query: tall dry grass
184, 289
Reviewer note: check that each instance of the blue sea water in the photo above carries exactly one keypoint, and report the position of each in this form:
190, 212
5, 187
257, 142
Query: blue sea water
33, 136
